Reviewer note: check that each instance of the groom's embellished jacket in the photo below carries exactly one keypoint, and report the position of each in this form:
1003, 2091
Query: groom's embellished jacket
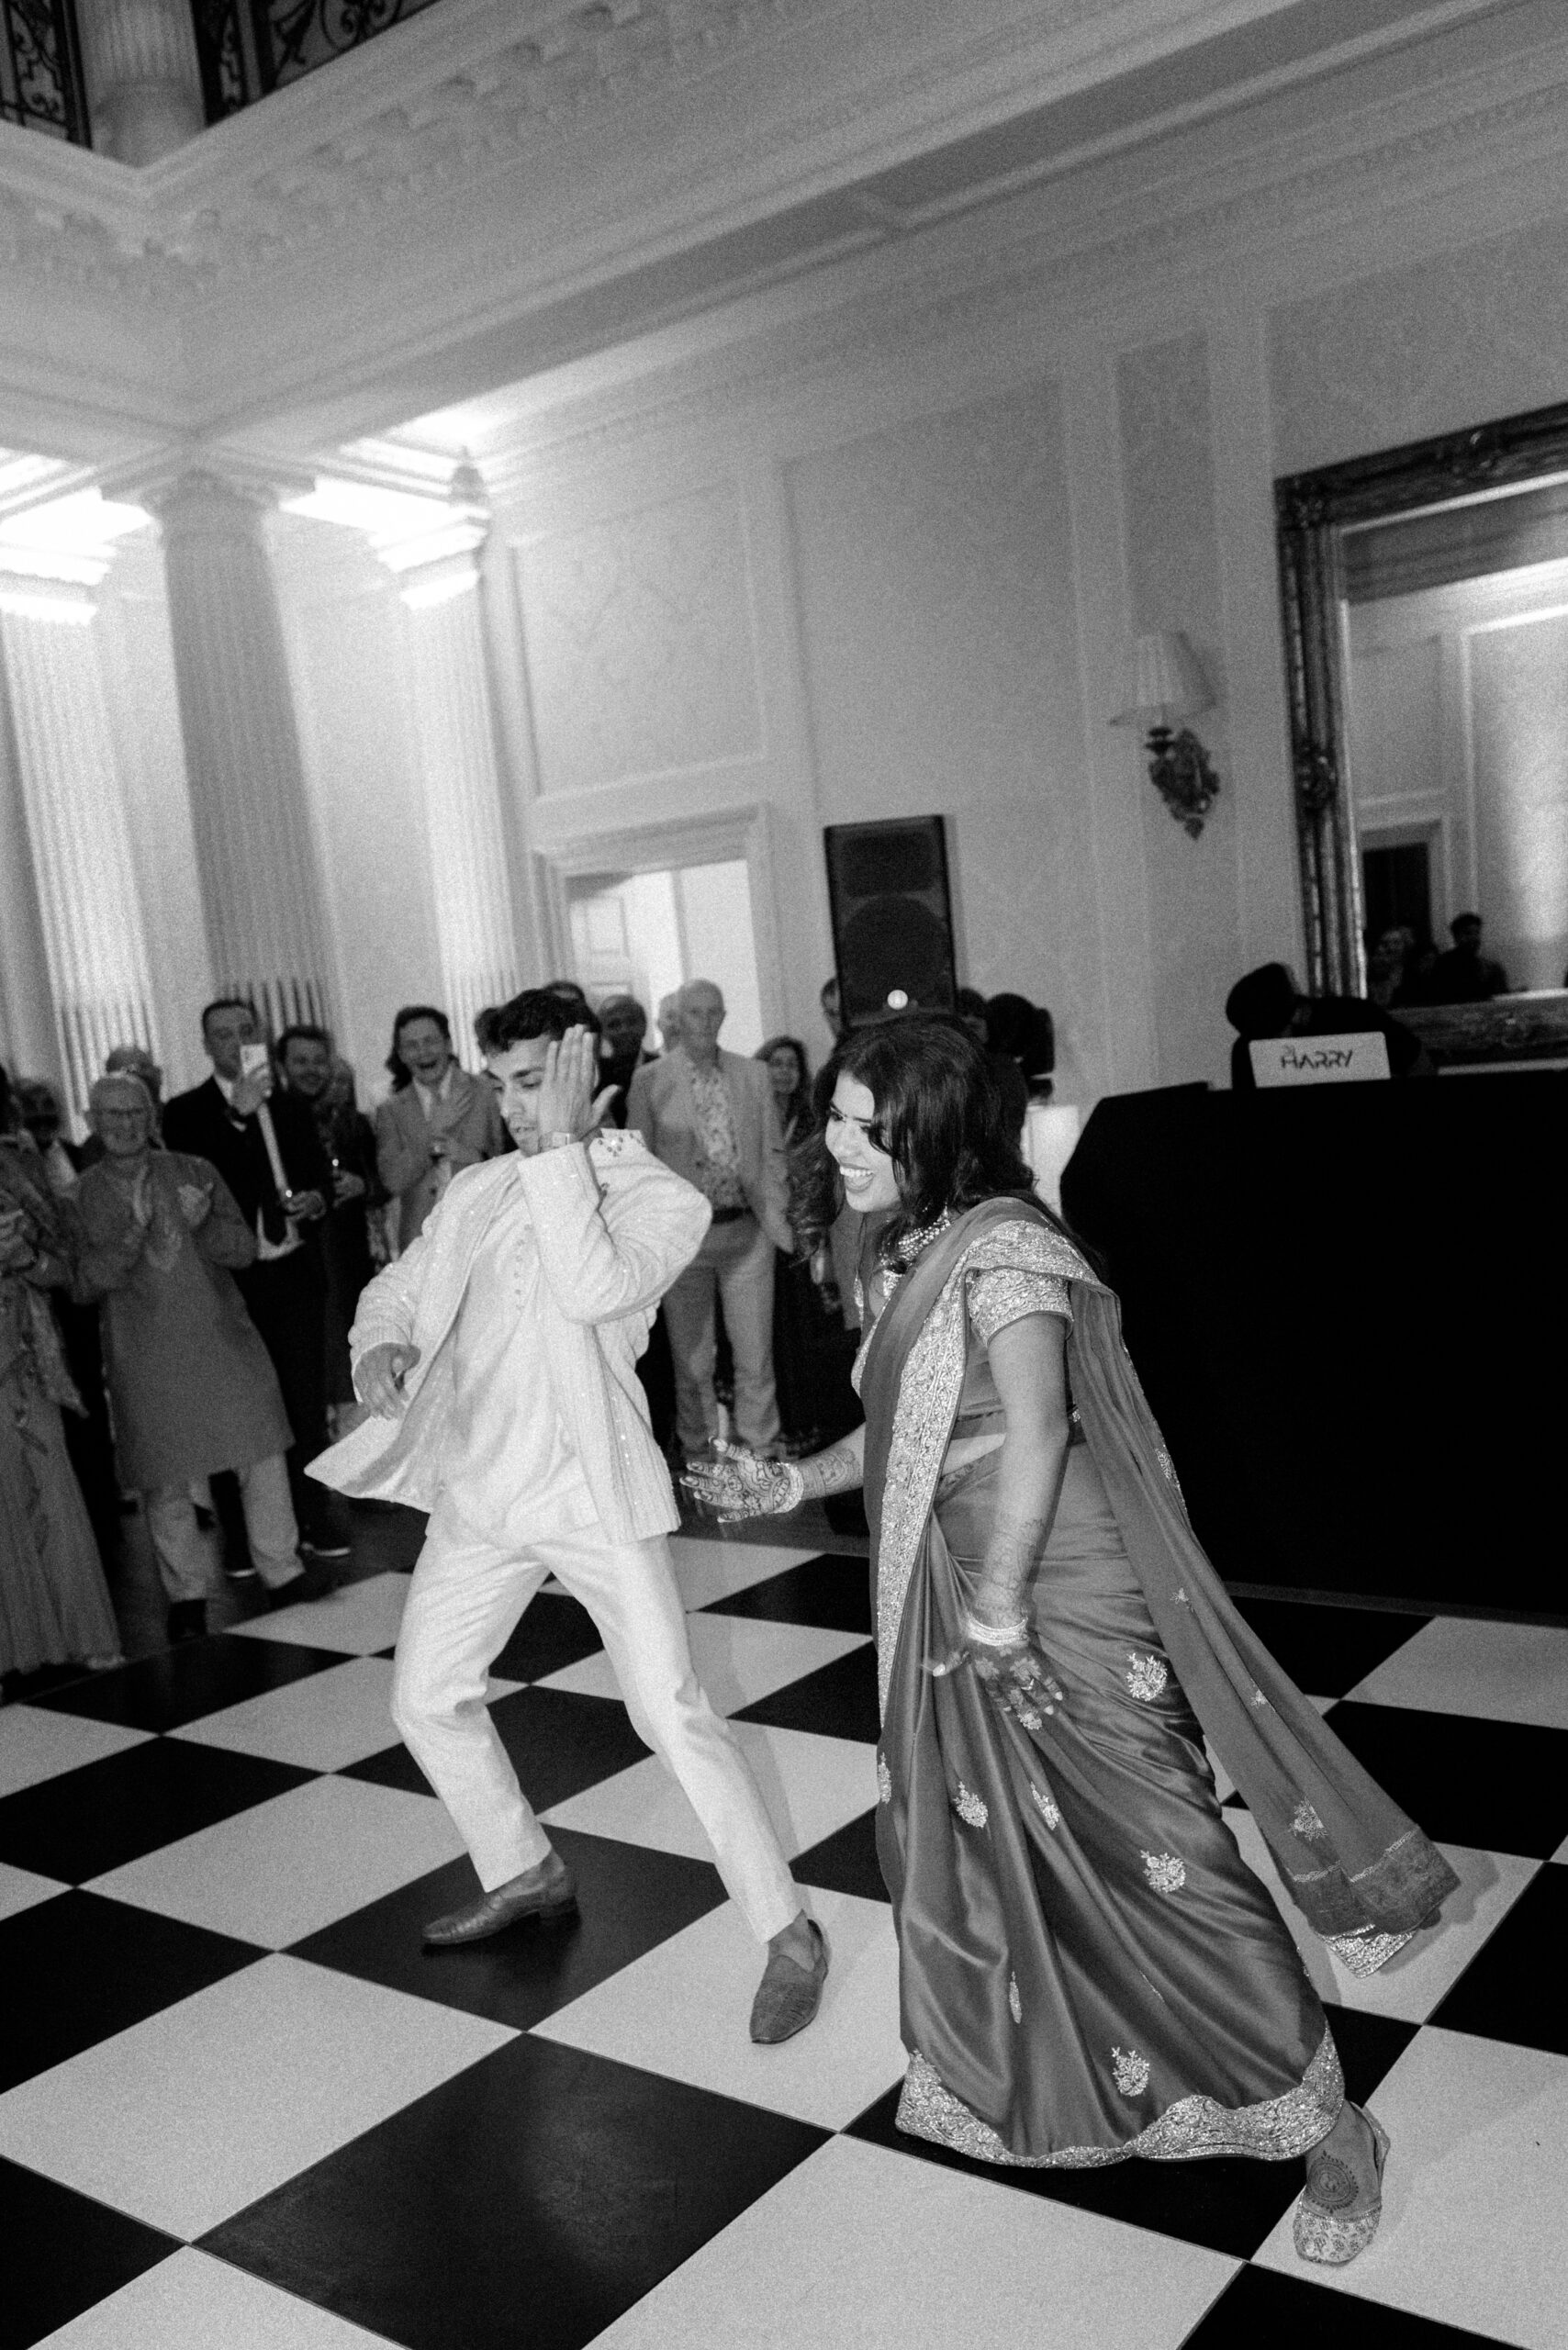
613, 1228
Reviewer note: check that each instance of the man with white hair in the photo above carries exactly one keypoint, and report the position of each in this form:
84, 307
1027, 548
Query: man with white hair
192, 1387
711, 1116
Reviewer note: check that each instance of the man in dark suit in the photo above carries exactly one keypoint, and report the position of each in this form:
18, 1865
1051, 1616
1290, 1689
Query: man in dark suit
266, 1146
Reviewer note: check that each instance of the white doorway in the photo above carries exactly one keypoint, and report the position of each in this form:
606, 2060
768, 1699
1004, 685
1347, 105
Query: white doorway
647, 934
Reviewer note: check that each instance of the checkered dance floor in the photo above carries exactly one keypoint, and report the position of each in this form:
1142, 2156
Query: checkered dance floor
239, 2110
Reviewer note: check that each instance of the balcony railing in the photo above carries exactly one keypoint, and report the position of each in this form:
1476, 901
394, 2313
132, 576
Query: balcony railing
250, 47
41, 70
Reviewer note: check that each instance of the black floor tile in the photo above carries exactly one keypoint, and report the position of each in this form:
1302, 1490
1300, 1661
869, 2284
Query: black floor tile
1512, 1989
560, 1744
831, 1593
844, 1861
839, 1700
1370, 2046
1228, 2205
534, 2197
200, 1677
1326, 1651
554, 1631
78, 1825
63, 2253
91, 1968
1259, 2305
1502, 1786
630, 1899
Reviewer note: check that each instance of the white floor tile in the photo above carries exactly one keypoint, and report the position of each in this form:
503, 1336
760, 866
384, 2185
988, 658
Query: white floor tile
1501, 1673
812, 1785
359, 1619
36, 1744
185, 2119
20, 1889
323, 1723
1473, 2195
683, 2009
286, 1868
903, 2252
1417, 1977
193, 2302
738, 1660
710, 1571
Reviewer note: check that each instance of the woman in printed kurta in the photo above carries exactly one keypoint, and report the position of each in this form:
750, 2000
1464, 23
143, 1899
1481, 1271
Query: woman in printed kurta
1088, 1969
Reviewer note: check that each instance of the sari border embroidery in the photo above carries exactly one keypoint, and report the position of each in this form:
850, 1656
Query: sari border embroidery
1277, 2130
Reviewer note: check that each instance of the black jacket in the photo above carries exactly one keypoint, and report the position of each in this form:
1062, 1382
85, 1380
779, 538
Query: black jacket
201, 1120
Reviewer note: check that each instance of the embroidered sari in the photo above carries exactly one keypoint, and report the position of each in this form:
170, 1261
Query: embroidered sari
1088, 1968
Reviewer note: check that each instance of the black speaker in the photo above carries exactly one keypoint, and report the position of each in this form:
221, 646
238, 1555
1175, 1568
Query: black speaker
892, 917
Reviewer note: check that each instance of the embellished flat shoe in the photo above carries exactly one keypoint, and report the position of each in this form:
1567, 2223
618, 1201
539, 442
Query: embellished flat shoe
789, 1995
508, 1905
1328, 2237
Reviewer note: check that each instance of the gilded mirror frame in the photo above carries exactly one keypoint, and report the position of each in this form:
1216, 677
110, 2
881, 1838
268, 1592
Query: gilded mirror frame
1312, 512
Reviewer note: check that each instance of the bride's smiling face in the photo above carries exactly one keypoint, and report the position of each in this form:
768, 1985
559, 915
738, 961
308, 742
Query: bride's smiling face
869, 1180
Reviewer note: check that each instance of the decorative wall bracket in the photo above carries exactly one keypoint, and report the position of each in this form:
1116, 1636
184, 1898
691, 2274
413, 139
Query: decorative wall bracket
1183, 773
1169, 684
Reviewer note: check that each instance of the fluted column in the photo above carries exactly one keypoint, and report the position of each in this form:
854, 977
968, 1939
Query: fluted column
144, 82
250, 814
476, 919
74, 824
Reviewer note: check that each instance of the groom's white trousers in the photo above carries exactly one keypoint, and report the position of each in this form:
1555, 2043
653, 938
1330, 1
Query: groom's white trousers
465, 1600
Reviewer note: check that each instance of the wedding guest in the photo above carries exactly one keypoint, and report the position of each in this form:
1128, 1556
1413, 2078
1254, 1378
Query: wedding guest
437, 1120
811, 1350
623, 1023
87, 1437
192, 1387
264, 1145
969, 1005
668, 1019
710, 1116
350, 1234
54, 1605
1462, 974
832, 1002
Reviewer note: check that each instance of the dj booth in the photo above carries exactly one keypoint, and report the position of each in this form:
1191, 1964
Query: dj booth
1349, 1307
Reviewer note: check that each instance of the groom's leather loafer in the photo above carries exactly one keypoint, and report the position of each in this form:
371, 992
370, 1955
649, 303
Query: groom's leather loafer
789, 1995
492, 1913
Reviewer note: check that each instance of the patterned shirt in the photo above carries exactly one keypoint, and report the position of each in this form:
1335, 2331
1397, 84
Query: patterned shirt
720, 1180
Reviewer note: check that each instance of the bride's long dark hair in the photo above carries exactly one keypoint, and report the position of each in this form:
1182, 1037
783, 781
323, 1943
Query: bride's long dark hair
939, 1118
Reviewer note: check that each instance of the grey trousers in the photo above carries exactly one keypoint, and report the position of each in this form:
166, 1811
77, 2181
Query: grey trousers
735, 1262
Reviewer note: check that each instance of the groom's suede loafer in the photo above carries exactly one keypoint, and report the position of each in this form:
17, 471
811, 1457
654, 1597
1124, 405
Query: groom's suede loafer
508, 1905
789, 1995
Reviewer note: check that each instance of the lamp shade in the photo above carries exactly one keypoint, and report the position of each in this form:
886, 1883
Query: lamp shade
1168, 681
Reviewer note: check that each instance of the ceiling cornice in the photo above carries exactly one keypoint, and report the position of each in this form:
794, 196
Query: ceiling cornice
451, 205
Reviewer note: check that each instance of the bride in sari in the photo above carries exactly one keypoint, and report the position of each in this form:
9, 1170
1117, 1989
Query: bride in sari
1088, 1971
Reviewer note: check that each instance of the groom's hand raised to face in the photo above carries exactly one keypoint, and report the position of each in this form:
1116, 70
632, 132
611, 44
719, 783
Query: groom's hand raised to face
567, 1103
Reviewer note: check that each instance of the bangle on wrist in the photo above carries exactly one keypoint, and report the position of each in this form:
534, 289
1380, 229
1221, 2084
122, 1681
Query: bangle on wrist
560, 1140
996, 1636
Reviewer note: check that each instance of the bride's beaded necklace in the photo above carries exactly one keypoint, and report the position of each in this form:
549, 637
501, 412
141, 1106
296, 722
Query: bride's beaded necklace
913, 1245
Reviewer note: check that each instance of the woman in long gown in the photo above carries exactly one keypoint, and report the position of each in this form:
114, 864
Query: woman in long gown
1088, 1969
54, 1604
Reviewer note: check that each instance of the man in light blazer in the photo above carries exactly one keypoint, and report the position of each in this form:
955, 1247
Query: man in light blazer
711, 1116
500, 1355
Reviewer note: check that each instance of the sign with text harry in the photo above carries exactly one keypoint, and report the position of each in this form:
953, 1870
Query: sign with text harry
1318, 1060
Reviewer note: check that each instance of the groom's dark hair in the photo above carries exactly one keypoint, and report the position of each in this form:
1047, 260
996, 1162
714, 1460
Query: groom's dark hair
537, 1011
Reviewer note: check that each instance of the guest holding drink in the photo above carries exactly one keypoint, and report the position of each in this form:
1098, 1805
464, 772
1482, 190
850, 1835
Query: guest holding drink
438, 1120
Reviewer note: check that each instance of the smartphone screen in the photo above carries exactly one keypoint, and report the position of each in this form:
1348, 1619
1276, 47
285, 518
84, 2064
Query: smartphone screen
253, 1060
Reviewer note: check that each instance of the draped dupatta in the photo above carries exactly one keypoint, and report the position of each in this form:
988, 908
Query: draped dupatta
1363, 1874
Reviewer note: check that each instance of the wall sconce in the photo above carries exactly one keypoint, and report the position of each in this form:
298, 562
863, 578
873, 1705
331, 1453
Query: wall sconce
1169, 684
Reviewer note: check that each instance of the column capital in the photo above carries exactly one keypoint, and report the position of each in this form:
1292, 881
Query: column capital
208, 481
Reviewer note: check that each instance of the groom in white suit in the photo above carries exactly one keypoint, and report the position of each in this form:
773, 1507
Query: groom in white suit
500, 1355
